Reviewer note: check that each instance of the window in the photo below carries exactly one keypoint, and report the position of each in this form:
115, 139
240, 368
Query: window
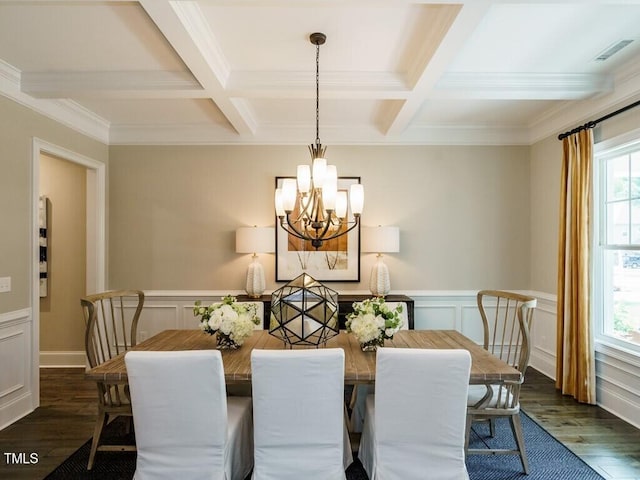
617, 251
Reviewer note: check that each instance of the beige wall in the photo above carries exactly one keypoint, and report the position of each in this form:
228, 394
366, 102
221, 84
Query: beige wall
463, 213
64, 184
546, 164
18, 126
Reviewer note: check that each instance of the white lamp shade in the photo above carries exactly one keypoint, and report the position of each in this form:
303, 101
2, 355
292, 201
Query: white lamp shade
330, 188
318, 171
380, 239
278, 202
289, 194
356, 197
255, 240
304, 178
341, 204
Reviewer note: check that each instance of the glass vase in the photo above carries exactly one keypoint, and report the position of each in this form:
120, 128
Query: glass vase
225, 342
372, 345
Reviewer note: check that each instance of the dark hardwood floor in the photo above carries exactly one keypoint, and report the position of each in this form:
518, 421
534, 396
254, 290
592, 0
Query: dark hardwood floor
610, 445
65, 420
62, 423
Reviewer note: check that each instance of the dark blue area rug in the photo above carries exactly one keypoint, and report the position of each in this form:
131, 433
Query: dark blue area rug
548, 458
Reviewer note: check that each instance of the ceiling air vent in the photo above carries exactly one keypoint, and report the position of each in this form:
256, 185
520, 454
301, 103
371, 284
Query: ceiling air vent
612, 50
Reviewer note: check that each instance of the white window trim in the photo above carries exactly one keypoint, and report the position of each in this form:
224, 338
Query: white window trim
613, 147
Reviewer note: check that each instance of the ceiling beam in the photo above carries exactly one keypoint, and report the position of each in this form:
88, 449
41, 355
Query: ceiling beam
186, 29
336, 85
456, 26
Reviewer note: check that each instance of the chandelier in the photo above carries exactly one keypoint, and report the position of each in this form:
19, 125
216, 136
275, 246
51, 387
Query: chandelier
311, 207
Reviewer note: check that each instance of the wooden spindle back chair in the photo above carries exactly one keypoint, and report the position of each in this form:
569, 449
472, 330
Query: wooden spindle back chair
507, 318
111, 322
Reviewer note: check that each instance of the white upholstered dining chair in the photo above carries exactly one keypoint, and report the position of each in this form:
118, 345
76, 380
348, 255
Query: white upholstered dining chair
414, 425
298, 410
186, 427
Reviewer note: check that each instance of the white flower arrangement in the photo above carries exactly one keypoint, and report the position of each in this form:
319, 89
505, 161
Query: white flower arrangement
372, 320
233, 320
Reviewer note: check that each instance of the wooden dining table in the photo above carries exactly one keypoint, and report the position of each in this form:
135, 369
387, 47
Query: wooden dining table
360, 367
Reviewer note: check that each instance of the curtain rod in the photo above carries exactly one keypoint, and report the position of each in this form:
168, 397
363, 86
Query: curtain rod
593, 123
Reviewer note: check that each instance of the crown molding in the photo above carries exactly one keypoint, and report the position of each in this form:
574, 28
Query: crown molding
182, 134
66, 112
565, 117
510, 86
205, 134
77, 117
465, 135
140, 84
10, 78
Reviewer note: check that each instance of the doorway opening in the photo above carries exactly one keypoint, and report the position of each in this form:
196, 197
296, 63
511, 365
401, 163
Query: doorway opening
95, 236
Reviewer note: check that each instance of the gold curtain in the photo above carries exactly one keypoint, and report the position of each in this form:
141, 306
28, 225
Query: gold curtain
575, 366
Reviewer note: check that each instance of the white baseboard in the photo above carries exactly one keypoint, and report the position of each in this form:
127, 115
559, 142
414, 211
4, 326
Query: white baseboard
619, 406
62, 359
16, 409
544, 362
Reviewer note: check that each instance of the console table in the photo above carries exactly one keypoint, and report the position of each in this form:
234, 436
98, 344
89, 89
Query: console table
345, 306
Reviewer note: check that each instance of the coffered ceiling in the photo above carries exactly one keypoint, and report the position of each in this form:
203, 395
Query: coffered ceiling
391, 72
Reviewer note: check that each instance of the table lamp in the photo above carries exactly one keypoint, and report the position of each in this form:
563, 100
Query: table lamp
255, 240
380, 240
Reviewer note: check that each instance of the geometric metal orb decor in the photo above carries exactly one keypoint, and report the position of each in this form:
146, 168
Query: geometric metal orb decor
304, 312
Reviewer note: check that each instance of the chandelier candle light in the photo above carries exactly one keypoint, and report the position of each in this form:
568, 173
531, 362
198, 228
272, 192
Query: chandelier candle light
321, 210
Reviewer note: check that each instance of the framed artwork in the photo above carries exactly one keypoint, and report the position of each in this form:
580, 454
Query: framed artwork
337, 260
44, 247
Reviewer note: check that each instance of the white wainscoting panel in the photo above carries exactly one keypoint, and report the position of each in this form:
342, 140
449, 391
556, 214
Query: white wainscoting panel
158, 315
440, 310
13, 341
191, 321
471, 323
171, 310
15, 374
435, 317
618, 388
543, 335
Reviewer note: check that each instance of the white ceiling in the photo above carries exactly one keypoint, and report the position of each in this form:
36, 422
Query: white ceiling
391, 71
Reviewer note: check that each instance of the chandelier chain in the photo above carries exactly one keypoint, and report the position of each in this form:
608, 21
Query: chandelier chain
317, 94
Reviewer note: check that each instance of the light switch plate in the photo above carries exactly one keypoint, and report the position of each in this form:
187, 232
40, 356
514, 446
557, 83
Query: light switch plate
5, 284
